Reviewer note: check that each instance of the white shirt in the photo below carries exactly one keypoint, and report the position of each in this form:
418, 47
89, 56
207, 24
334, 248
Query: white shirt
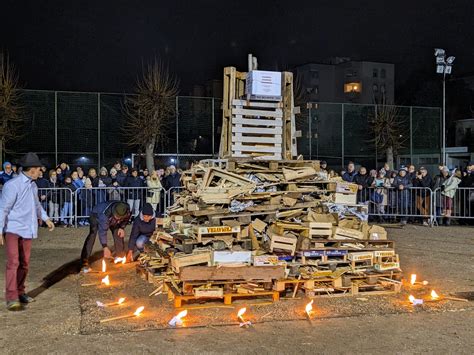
20, 208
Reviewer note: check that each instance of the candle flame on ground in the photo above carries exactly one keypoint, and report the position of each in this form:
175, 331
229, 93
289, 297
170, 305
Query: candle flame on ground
182, 314
106, 280
121, 300
411, 298
241, 312
434, 295
413, 279
120, 260
139, 310
309, 307
104, 266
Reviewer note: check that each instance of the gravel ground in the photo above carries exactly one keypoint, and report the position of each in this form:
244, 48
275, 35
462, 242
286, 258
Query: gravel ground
65, 318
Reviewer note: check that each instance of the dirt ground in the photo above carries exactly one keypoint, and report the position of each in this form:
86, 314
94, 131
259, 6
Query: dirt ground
64, 319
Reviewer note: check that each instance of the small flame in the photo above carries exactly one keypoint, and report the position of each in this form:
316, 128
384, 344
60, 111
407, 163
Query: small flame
411, 298
309, 307
139, 310
434, 295
121, 300
104, 266
182, 314
413, 279
120, 260
241, 312
106, 280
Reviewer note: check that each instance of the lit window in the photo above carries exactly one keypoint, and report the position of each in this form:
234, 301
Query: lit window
352, 87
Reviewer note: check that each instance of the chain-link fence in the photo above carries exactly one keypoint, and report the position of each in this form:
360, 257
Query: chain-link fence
86, 129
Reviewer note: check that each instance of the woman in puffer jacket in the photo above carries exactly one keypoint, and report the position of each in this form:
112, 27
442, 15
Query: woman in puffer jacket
448, 190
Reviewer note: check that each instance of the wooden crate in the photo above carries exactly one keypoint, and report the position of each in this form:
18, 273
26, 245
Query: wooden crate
319, 229
284, 243
180, 260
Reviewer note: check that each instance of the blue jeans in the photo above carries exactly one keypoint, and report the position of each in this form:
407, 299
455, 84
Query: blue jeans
66, 211
141, 241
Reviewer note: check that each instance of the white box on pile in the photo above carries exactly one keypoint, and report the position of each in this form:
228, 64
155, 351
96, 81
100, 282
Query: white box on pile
264, 84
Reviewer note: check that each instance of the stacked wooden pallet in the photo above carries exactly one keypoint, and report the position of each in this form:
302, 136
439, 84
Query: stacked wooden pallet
251, 228
257, 129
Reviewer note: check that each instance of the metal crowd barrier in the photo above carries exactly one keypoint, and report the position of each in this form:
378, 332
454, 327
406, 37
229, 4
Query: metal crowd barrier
384, 203
448, 205
390, 203
58, 202
136, 197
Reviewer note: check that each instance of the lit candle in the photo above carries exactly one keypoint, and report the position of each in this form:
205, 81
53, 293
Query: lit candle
137, 313
308, 309
104, 266
106, 280
177, 320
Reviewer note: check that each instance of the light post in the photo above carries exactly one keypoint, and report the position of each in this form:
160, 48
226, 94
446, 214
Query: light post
443, 66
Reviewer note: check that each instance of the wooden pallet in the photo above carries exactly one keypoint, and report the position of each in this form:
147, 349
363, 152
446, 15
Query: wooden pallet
228, 297
257, 129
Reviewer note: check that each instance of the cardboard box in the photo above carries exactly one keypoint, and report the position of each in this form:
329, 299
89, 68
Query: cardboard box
377, 233
263, 84
346, 199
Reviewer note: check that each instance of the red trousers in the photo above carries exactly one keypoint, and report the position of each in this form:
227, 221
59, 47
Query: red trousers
18, 252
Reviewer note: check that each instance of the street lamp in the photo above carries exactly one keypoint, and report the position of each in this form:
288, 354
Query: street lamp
444, 66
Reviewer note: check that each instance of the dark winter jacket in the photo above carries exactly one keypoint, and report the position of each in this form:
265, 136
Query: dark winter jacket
172, 180
423, 184
349, 177
4, 177
140, 227
67, 194
53, 195
135, 183
439, 180
122, 178
468, 180
103, 212
365, 181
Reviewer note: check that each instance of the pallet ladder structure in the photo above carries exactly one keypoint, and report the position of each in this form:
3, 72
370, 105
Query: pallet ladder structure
278, 141
257, 129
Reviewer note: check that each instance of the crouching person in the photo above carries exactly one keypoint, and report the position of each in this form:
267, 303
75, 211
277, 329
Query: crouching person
142, 229
113, 215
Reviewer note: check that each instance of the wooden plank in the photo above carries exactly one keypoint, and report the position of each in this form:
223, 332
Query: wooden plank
251, 112
251, 139
251, 148
236, 102
276, 130
244, 273
257, 122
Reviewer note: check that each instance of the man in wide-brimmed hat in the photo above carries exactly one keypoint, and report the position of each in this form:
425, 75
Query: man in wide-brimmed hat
20, 211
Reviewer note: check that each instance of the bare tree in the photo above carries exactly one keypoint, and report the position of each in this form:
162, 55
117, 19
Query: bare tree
388, 128
10, 108
150, 110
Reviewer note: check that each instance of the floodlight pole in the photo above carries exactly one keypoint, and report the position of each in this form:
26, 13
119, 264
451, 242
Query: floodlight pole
444, 119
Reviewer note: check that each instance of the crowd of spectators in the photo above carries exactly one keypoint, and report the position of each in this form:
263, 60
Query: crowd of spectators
120, 182
406, 191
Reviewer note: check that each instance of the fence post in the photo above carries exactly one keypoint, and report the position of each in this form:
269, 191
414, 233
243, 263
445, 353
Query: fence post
342, 135
177, 131
310, 105
411, 134
98, 129
213, 134
56, 128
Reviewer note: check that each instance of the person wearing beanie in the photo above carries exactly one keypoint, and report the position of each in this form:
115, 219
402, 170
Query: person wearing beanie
134, 193
7, 174
142, 229
113, 215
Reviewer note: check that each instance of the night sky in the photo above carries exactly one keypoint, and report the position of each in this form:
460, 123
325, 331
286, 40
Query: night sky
100, 45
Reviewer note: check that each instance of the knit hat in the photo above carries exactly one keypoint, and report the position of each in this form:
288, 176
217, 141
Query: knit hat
103, 169
403, 167
120, 209
147, 210
6, 164
113, 171
445, 169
